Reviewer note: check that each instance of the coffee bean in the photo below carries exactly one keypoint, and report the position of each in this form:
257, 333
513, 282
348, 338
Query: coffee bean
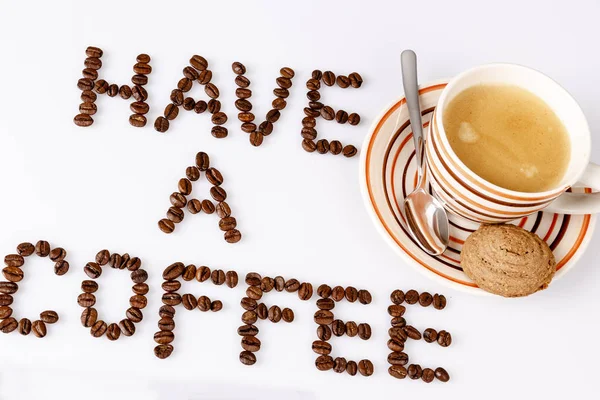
309, 145
398, 371
325, 304
164, 337
189, 104
425, 299
93, 63
309, 122
246, 117
398, 322
397, 297
184, 84
25, 249
214, 176
192, 173
101, 86
231, 279
42, 248
24, 326
135, 315
397, 358
162, 123
283, 82
364, 331
262, 312
323, 317
189, 301
139, 93
175, 214
13, 274
194, 206
309, 134
338, 328
355, 79
287, 315
139, 121
218, 277
163, 351
324, 332
204, 303
327, 113
223, 209
313, 95
86, 300
200, 107
89, 317
411, 297
292, 285
113, 332
349, 151
249, 317
439, 301
430, 335
365, 367
243, 93
248, 127
338, 293
219, 118
178, 200
328, 78
339, 365
343, 81
140, 288
165, 225
170, 299
216, 306
138, 301
444, 338
287, 72
322, 146
142, 68
280, 92
88, 108
93, 270
102, 257
176, 98
214, 106
127, 327
412, 332
204, 78
242, 81
441, 374
125, 92
98, 329
8, 325
113, 90
243, 105
211, 91
139, 80
139, 276
279, 104
321, 347
351, 294
232, 236
428, 375
324, 291
354, 119
115, 260
83, 120
190, 73
415, 371
247, 358
350, 328
313, 84
335, 147
218, 193
171, 286
8, 287
238, 68
89, 73
305, 291
267, 284
166, 311
256, 138
6, 299
203, 273
173, 271
341, 117
199, 62
254, 292
275, 314
247, 330
92, 51
317, 74
398, 334
279, 283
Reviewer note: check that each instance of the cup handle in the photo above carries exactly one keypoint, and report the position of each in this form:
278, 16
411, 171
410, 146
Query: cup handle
580, 203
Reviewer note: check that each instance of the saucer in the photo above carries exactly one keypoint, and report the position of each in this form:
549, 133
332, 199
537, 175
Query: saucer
388, 174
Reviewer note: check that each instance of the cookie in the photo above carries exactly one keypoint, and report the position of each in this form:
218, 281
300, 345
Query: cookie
507, 260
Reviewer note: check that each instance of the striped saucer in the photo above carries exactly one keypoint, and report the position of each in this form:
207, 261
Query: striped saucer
388, 174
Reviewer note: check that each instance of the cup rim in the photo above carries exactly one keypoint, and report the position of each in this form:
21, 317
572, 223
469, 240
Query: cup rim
439, 119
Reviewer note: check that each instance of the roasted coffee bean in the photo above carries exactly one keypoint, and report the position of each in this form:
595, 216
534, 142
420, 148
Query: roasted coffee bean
313, 84
219, 118
113, 332
262, 312
214, 106
139, 276
8, 287
163, 351
165, 225
313, 95
274, 314
351, 294
231, 279
243, 105
203, 273
254, 292
184, 84
13, 274
89, 73
246, 117
349, 151
339, 365
243, 93
365, 367
364, 331
327, 113
6, 299
397, 297
138, 121
93, 270
25, 249
185, 186
139, 80
93, 63
218, 277
323, 317
142, 68
204, 78
415, 371
311, 134
139, 93
176, 97
24, 326
267, 284
439, 301
178, 199
292, 285
341, 117
317, 74
428, 375
83, 120
8, 325
42, 248
238, 68
425, 299
88, 108
115, 260
338, 293
305, 291
162, 123
397, 358
398, 322
321, 347
343, 81
173, 271
214, 176
194, 206
216, 306
256, 138
199, 62
322, 146
175, 214
398, 333
99, 328
164, 337
430, 335
279, 283
273, 116
411, 297
103, 257
189, 104
324, 291
138, 301
192, 173
354, 119
135, 314
101, 86
247, 358
355, 80
283, 82
338, 328
248, 127
200, 107
86, 300
253, 279
248, 317
223, 209
287, 72
444, 338
364, 296
218, 193
309, 145
242, 81
398, 371
335, 147
325, 304
324, 332
57, 254
309, 122
127, 327
316, 105
140, 288
247, 330
412, 332
279, 92
211, 91
171, 286
166, 311
441, 374
202, 161
287, 315
204, 303
279, 104
189, 273
89, 317
190, 73
171, 299
328, 78
189, 301
92, 51
113, 90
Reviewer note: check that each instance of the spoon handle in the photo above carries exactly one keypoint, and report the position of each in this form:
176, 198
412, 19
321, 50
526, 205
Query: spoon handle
411, 92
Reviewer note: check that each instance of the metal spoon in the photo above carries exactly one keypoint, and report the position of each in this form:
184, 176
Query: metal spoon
425, 216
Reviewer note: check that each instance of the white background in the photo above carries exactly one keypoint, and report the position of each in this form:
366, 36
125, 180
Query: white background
301, 214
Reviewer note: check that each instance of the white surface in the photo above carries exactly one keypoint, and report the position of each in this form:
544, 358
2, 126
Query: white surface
301, 215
